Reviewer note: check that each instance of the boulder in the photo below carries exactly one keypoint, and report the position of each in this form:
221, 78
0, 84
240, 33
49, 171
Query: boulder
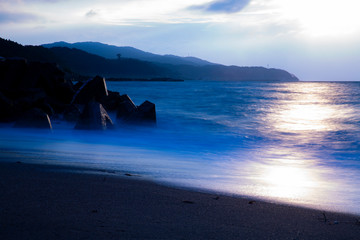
17, 73
128, 112
34, 118
94, 117
112, 101
12, 72
147, 112
126, 108
64, 92
46, 108
92, 89
71, 113
78, 85
44, 75
7, 109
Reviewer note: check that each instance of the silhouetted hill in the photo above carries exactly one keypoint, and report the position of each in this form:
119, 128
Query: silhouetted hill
89, 64
9, 48
82, 62
110, 51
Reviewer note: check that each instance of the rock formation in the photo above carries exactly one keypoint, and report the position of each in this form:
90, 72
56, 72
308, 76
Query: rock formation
31, 93
34, 118
94, 117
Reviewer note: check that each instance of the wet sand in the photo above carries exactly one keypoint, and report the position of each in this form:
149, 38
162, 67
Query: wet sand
47, 202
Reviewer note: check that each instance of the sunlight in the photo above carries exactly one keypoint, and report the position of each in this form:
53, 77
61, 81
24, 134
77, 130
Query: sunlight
288, 182
323, 17
301, 117
308, 109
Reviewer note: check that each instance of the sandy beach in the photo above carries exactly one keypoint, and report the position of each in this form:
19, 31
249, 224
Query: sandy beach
57, 202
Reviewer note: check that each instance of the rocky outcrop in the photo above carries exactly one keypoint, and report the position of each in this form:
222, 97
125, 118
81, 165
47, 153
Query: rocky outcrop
112, 101
34, 118
32, 92
7, 109
95, 117
71, 113
126, 108
92, 89
128, 112
147, 112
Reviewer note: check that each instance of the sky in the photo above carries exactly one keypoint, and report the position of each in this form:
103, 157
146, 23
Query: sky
317, 40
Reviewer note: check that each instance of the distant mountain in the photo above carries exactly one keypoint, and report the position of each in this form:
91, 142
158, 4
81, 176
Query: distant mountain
111, 51
81, 62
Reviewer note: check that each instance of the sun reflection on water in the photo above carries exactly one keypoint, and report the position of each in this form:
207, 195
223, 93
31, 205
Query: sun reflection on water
306, 117
309, 108
288, 181
301, 118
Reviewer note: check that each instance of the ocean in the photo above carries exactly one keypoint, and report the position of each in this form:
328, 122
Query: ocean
293, 142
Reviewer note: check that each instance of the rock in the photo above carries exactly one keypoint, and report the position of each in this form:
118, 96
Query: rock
78, 85
12, 72
46, 108
71, 113
112, 101
44, 75
57, 105
128, 112
64, 92
34, 118
126, 108
147, 112
18, 73
7, 109
94, 117
92, 89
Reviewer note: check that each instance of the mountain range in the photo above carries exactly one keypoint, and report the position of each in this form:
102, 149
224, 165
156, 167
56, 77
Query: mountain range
92, 58
111, 52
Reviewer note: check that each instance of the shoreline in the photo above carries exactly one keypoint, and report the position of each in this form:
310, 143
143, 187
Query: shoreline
61, 202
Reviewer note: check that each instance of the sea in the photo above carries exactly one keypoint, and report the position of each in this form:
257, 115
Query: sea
296, 143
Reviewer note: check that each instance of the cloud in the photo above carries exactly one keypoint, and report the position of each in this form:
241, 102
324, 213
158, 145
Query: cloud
222, 6
16, 17
91, 13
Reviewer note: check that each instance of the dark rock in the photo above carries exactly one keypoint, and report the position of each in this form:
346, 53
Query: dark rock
78, 85
94, 117
34, 118
147, 112
17, 73
126, 108
29, 97
56, 104
112, 101
44, 75
71, 113
46, 108
12, 72
128, 112
64, 92
7, 109
92, 89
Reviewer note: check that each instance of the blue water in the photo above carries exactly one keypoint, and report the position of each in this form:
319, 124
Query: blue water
296, 143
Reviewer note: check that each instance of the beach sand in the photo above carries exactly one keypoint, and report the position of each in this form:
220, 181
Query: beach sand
47, 202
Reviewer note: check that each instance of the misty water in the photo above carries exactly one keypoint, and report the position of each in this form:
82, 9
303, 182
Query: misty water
296, 143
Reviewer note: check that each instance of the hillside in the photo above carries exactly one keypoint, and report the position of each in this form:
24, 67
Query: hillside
110, 52
85, 63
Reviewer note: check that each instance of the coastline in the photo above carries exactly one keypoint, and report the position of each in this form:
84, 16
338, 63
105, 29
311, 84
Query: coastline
59, 202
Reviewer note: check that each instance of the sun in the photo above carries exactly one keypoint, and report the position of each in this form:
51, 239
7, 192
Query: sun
319, 18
